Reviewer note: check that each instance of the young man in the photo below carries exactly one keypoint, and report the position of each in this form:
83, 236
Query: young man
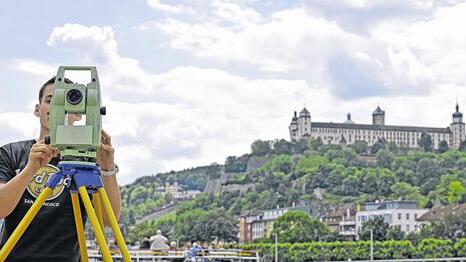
25, 167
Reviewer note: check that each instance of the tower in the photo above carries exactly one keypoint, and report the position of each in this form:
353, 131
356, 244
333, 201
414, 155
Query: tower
457, 129
294, 127
378, 117
348, 119
304, 124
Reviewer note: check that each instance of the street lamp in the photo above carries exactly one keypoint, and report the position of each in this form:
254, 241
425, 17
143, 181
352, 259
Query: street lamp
276, 247
372, 244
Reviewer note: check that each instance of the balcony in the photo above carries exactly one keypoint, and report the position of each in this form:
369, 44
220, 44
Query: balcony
347, 223
348, 232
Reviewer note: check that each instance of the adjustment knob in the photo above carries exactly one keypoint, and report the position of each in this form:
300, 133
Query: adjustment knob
47, 140
103, 110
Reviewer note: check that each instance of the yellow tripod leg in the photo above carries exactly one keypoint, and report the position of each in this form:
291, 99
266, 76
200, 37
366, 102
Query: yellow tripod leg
98, 209
22, 226
79, 227
114, 224
99, 234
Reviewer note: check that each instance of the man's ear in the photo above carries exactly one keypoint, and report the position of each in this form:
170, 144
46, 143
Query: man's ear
36, 110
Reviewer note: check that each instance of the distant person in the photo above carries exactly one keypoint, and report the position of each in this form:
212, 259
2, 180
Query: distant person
193, 252
159, 242
173, 246
112, 245
145, 243
187, 247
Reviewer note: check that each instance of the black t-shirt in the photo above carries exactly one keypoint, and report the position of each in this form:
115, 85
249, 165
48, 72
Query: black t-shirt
51, 236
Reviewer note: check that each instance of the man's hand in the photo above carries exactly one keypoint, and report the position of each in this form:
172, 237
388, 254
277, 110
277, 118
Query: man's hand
105, 158
106, 152
40, 155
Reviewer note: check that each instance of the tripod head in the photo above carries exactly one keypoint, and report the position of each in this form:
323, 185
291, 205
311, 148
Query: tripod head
76, 142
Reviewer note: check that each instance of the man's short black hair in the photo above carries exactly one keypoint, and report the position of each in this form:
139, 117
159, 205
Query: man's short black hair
51, 81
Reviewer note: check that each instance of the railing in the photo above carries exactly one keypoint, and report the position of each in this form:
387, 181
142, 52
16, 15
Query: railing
203, 255
445, 259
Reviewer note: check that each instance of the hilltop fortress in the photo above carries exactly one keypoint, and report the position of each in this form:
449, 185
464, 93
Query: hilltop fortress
301, 127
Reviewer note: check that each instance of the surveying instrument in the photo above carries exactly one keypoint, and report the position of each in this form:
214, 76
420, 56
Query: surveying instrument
78, 146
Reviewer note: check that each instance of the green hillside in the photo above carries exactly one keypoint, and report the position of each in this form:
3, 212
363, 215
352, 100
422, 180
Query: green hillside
293, 173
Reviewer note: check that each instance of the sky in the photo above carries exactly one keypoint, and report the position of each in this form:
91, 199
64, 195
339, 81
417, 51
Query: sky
188, 83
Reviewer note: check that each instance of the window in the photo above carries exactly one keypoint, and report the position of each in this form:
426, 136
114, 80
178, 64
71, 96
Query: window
415, 216
387, 218
399, 216
407, 216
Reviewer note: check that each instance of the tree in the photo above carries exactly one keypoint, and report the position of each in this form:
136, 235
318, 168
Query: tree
316, 143
378, 226
425, 142
298, 227
386, 179
450, 227
300, 146
311, 164
385, 158
405, 191
349, 187
260, 148
281, 163
394, 233
443, 146
462, 146
392, 147
456, 192
206, 226
377, 146
168, 197
360, 147
282, 147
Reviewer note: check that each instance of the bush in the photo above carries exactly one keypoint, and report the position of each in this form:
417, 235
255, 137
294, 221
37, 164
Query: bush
360, 250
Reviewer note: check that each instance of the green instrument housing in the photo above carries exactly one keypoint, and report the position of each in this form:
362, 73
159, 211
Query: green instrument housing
76, 142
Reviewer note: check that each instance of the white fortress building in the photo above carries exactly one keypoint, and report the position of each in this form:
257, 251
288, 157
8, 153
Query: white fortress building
302, 127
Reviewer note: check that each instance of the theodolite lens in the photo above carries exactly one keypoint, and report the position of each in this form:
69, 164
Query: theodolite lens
74, 96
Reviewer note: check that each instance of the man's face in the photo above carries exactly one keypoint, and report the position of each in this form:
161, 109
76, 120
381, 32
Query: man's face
42, 110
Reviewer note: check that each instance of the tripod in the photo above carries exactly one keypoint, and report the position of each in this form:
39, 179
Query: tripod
85, 180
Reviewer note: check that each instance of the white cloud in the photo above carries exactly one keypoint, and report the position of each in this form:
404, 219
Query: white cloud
34, 67
436, 44
236, 14
18, 126
98, 42
318, 50
178, 9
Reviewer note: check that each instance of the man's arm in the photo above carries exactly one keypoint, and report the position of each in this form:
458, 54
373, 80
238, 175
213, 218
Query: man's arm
11, 192
105, 159
113, 191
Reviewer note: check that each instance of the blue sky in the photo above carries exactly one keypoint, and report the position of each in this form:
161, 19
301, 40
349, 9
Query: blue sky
188, 83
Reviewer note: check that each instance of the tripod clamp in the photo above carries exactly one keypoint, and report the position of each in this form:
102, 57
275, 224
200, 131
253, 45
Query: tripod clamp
83, 175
